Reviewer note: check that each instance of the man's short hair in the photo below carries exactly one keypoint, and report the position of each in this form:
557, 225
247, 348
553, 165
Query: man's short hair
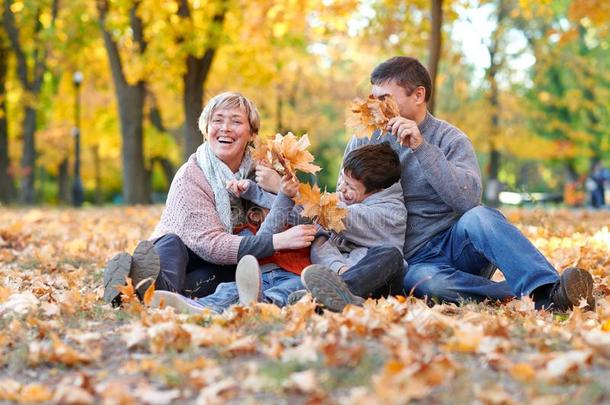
229, 101
375, 166
406, 72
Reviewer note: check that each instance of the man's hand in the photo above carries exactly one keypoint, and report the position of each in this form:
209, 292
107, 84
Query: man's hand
237, 187
268, 178
406, 131
289, 185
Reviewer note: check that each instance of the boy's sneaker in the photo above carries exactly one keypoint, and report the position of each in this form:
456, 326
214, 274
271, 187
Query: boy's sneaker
328, 288
115, 273
177, 301
145, 267
295, 297
574, 285
249, 280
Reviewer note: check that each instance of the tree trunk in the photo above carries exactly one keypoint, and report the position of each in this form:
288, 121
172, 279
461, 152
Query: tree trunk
131, 112
7, 187
435, 46
63, 181
28, 157
97, 168
193, 79
197, 70
493, 185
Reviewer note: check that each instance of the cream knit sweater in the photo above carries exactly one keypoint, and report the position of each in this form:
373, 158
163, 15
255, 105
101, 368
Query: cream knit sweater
190, 213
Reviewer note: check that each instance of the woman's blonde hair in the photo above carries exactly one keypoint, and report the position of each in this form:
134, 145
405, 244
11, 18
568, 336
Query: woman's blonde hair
229, 101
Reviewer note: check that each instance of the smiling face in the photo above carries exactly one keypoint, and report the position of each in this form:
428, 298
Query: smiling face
228, 133
351, 191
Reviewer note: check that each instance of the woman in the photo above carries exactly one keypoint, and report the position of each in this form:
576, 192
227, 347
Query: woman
193, 248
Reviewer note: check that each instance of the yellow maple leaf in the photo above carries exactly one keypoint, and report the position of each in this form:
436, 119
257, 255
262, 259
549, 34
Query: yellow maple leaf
321, 207
367, 116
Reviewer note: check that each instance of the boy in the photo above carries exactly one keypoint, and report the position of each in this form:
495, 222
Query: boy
365, 259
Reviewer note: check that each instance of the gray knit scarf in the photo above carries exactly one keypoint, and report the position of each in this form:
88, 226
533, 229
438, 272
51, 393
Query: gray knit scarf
229, 207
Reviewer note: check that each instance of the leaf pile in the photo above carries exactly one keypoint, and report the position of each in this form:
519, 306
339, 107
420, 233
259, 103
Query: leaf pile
285, 153
365, 117
59, 343
323, 208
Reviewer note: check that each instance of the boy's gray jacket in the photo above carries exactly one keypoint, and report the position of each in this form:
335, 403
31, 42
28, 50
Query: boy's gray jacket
380, 219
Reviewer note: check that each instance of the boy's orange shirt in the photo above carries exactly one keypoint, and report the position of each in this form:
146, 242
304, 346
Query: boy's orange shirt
292, 260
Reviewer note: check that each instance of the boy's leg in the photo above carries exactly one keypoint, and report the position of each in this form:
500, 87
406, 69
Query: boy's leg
249, 280
225, 295
283, 283
383, 266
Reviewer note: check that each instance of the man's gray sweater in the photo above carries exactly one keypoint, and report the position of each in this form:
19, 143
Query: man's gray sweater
441, 179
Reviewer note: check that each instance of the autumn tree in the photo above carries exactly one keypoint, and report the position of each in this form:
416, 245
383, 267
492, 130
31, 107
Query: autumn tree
130, 97
35, 25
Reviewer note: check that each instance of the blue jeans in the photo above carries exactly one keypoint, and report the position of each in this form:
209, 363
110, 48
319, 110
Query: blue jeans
450, 266
277, 286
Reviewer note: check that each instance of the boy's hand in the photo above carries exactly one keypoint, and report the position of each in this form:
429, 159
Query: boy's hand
406, 131
237, 187
267, 178
289, 185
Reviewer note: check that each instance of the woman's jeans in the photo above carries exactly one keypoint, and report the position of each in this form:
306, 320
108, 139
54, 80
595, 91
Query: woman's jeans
277, 286
451, 266
186, 273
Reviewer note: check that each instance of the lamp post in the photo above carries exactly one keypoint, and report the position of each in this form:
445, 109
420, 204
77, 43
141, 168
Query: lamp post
77, 186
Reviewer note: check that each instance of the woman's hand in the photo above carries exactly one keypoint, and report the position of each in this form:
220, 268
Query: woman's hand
237, 187
289, 185
268, 178
297, 237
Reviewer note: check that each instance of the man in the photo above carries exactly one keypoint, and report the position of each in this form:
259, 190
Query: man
452, 241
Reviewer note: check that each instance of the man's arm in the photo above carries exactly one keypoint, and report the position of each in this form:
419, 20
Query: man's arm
455, 176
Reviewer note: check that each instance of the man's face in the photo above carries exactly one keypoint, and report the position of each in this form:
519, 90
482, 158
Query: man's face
351, 191
408, 105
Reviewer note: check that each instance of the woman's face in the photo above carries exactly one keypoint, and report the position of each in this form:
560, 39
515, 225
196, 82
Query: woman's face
228, 134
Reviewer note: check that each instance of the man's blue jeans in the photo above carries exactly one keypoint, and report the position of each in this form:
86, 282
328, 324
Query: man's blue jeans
450, 266
277, 286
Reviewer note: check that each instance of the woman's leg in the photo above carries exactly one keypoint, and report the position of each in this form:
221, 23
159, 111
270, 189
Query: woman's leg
174, 259
202, 278
184, 272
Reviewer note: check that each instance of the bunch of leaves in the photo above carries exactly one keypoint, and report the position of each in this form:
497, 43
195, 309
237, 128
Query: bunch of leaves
369, 115
322, 207
285, 153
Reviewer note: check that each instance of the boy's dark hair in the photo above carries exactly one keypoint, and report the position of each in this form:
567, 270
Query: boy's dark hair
406, 72
376, 166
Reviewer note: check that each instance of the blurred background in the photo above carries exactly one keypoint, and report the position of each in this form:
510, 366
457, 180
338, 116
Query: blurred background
99, 99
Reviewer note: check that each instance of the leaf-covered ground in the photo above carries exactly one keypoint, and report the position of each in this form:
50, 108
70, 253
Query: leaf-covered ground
60, 343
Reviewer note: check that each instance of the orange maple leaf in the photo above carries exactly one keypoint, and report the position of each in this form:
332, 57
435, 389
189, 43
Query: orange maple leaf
128, 292
321, 207
370, 115
285, 154
148, 295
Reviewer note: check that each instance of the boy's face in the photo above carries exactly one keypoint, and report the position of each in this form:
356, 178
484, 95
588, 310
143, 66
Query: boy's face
351, 191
